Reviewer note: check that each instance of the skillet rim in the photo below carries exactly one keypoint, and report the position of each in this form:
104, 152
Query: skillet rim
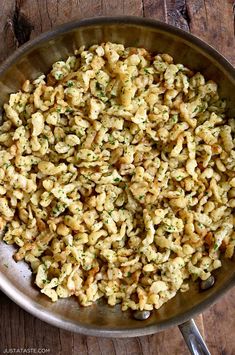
26, 302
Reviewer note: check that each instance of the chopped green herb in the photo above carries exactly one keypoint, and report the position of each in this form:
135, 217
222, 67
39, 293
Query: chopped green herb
216, 246
117, 179
101, 94
6, 165
174, 118
98, 86
70, 84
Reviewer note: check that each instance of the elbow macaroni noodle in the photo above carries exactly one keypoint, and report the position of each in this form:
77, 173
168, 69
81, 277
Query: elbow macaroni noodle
117, 177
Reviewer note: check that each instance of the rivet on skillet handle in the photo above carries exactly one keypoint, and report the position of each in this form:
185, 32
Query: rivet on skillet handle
141, 315
208, 283
193, 338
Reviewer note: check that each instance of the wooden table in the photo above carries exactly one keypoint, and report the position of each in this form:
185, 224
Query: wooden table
213, 21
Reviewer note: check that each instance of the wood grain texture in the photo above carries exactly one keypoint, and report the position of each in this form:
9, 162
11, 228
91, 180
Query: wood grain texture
18, 329
214, 24
213, 21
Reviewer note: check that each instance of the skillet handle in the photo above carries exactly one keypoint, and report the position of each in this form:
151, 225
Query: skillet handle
193, 338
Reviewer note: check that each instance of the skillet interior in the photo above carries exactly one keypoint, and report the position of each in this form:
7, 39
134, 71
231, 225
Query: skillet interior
35, 58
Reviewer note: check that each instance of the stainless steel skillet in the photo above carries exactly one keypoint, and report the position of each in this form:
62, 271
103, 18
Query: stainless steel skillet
34, 58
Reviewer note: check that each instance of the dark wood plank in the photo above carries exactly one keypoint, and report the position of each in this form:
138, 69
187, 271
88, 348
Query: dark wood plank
122, 7
25, 19
155, 9
213, 21
18, 329
177, 14
7, 42
170, 11
219, 324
